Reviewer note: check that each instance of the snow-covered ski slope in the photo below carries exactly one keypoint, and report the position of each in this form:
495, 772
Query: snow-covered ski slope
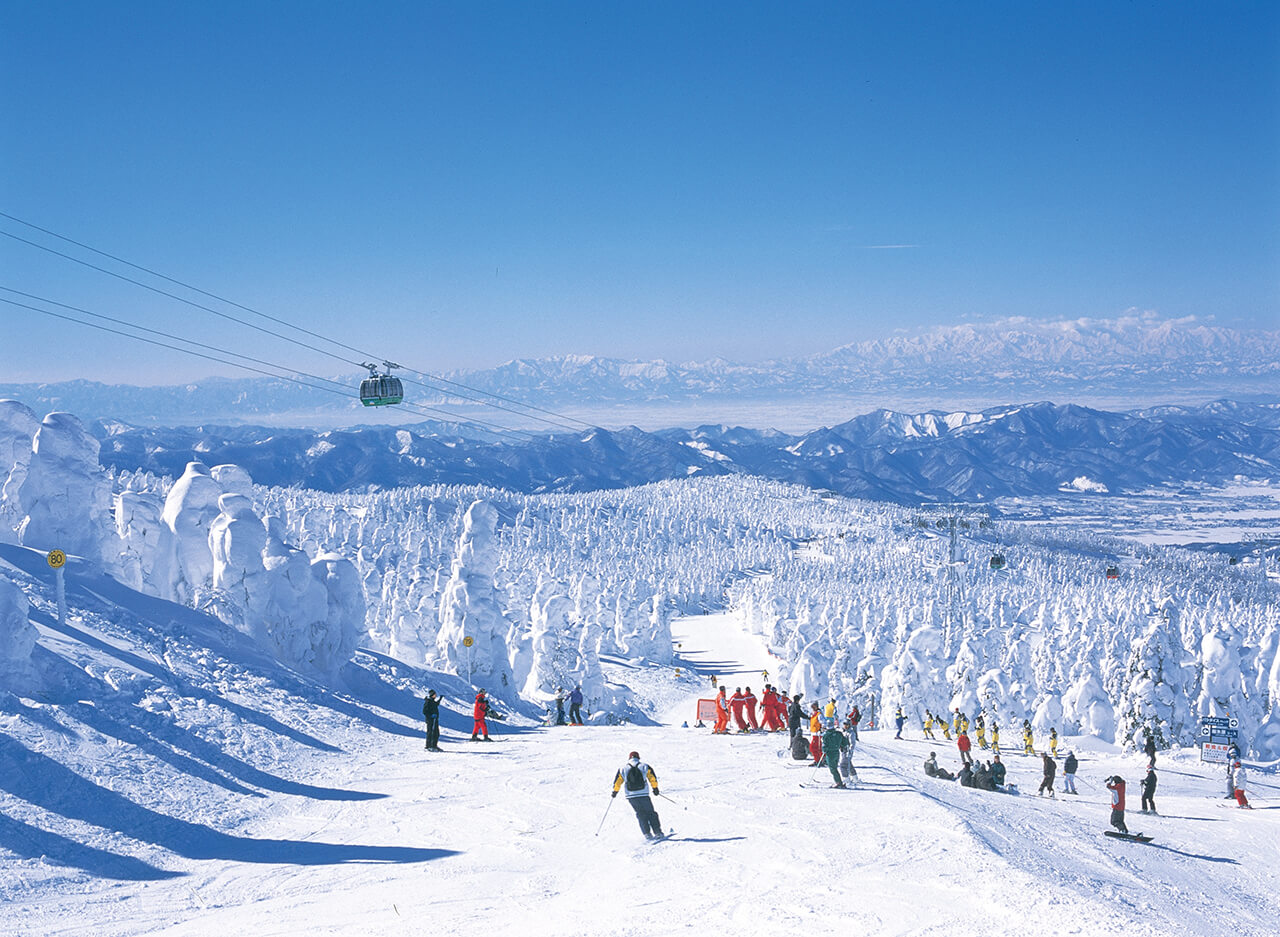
170, 779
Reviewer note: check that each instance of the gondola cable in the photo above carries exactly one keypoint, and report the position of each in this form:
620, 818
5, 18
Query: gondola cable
562, 418
338, 387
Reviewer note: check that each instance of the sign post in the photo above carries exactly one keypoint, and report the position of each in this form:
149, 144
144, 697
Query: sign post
467, 642
1218, 734
57, 560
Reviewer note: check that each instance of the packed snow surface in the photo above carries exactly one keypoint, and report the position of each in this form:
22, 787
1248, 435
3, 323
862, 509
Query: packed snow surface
175, 780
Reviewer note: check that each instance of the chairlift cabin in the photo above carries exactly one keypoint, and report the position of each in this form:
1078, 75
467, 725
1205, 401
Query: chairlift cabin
381, 390
1113, 572
997, 561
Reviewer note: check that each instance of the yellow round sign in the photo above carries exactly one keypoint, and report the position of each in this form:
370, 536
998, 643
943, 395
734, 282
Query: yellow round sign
57, 559
468, 641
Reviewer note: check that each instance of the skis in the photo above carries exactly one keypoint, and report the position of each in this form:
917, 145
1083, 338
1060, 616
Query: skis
828, 787
663, 838
1130, 837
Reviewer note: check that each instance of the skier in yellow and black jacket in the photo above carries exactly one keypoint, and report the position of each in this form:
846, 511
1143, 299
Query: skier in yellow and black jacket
636, 777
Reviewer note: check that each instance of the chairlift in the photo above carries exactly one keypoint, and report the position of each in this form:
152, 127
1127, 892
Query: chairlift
381, 390
997, 561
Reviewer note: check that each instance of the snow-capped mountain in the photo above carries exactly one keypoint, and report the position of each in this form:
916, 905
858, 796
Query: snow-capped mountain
1005, 358
1139, 359
1023, 450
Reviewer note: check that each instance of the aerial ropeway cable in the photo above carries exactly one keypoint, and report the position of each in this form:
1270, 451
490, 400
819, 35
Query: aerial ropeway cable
552, 418
313, 381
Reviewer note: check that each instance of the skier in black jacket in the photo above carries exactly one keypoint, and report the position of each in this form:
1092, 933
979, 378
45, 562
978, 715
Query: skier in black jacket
1149, 748
1050, 770
795, 717
431, 711
1069, 765
1149, 791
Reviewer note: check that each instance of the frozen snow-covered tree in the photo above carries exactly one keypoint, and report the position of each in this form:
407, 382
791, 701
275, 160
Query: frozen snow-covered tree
470, 607
17, 636
66, 494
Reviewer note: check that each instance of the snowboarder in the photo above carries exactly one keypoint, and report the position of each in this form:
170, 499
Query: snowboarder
1069, 766
1149, 790
1050, 769
637, 777
1238, 778
560, 720
997, 772
963, 743
1028, 738
899, 720
722, 714
1149, 748
480, 711
1115, 784
932, 770
431, 712
833, 743
1053, 742
749, 707
575, 706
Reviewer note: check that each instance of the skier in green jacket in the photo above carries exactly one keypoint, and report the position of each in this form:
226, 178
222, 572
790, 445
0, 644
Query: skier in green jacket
834, 742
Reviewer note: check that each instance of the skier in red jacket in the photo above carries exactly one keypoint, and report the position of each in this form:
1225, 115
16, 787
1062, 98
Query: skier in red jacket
767, 701
481, 710
749, 707
736, 702
963, 743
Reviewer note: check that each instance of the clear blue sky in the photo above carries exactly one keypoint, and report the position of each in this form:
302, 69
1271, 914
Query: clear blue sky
462, 183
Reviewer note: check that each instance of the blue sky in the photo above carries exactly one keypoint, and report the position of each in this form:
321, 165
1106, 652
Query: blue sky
462, 183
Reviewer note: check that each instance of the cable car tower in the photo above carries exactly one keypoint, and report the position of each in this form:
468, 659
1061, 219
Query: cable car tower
381, 390
953, 518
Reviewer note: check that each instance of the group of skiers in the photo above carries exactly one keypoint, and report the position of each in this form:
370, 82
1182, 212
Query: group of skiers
742, 706
575, 707
830, 742
959, 725
481, 712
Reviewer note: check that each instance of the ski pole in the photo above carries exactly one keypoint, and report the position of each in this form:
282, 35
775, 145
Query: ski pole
665, 797
606, 813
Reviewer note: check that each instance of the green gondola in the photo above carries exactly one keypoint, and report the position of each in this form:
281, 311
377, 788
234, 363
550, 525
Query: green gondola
381, 390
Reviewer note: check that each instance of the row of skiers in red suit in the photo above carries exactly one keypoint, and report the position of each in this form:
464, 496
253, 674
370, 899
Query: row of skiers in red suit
773, 710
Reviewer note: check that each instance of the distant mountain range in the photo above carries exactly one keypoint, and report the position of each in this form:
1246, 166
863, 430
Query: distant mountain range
1025, 450
1138, 360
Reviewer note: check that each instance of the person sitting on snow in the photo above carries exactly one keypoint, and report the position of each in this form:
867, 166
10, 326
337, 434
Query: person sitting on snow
932, 770
997, 773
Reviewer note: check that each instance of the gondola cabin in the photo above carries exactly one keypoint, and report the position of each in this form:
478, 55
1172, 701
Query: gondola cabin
1113, 572
381, 390
997, 561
